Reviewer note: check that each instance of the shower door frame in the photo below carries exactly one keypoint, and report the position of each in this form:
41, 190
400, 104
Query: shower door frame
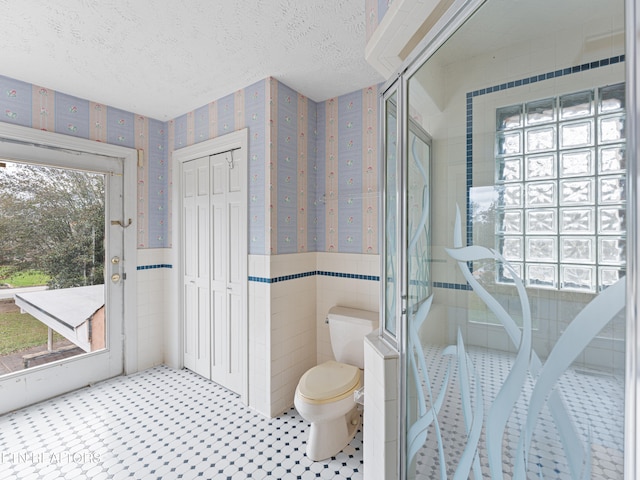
455, 16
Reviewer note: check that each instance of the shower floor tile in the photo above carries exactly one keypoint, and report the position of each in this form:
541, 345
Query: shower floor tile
161, 424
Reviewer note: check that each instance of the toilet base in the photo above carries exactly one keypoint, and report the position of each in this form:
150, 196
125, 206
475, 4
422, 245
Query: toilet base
326, 439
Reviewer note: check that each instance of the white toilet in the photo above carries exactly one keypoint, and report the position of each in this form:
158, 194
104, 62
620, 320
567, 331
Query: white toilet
325, 393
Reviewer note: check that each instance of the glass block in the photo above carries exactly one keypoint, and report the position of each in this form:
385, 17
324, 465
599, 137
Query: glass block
542, 249
609, 276
611, 129
612, 159
612, 250
541, 194
612, 189
510, 221
539, 167
577, 192
611, 98
541, 139
508, 118
575, 105
541, 111
612, 220
542, 221
576, 163
578, 277
543, 276
578, 249
512, 196
512, 248
576, 134
509, 143
505, 274
509, 169
577, 220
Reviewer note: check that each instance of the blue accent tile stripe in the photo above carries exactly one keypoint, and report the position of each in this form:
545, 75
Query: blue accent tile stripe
503, 86
151, 267
295, 276
452, 286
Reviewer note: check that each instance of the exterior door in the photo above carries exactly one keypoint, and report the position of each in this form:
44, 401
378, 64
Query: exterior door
215, 268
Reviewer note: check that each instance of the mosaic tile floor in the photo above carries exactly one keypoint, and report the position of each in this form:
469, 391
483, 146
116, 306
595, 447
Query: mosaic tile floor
161, 424
593, 401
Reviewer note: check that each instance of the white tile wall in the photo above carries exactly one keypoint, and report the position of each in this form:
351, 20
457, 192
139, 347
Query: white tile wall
153, 285
381, 410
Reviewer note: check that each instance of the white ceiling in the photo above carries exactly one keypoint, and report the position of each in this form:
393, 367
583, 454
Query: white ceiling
163, 58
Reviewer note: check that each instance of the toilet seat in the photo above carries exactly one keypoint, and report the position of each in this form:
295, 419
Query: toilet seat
329, 382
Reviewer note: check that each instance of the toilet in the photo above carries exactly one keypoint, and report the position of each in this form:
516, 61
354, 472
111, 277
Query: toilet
325, 393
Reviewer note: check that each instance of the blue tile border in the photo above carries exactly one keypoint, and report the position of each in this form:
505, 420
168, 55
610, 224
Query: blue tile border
504, 86
295, 276
151, 267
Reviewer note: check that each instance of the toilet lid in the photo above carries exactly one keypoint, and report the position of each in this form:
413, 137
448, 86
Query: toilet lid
328, 380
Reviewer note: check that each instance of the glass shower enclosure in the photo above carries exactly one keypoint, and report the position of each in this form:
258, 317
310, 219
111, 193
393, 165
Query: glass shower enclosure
507, 224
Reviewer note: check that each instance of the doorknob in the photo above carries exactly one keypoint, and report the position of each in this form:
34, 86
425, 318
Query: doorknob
115, 278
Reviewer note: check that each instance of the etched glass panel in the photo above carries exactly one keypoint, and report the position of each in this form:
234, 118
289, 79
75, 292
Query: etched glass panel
611, 129
541, 221
577, 134
541, 139
510, 221
612, 98
512, 248
576, 163
612, 220
541, 111
508, 118
575, 105
509, 169
577, 220
575, 277
577, 192
577, 250
540, 167
611, 251
541, 194
509, 143
512, 196
609, 276
612, 190
542, 249
542, 276
613, 159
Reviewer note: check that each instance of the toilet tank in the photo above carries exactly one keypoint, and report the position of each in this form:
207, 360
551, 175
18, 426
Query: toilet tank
348, 327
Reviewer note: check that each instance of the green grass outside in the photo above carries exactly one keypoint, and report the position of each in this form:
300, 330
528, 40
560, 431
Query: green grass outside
27, 278
19, 331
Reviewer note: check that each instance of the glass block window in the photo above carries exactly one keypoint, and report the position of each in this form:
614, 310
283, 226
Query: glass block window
561, 176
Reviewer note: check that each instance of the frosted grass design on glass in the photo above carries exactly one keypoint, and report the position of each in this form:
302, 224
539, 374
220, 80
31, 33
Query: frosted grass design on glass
612, 159
527, 365
577, 192
541, 139
541, 221
577, 220
541, 167
574, 135
576, 163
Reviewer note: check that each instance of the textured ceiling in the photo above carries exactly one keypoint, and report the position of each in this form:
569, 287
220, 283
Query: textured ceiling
162, 58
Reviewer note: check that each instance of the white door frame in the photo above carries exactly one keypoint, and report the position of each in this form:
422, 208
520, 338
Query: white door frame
175, 322
25, 144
